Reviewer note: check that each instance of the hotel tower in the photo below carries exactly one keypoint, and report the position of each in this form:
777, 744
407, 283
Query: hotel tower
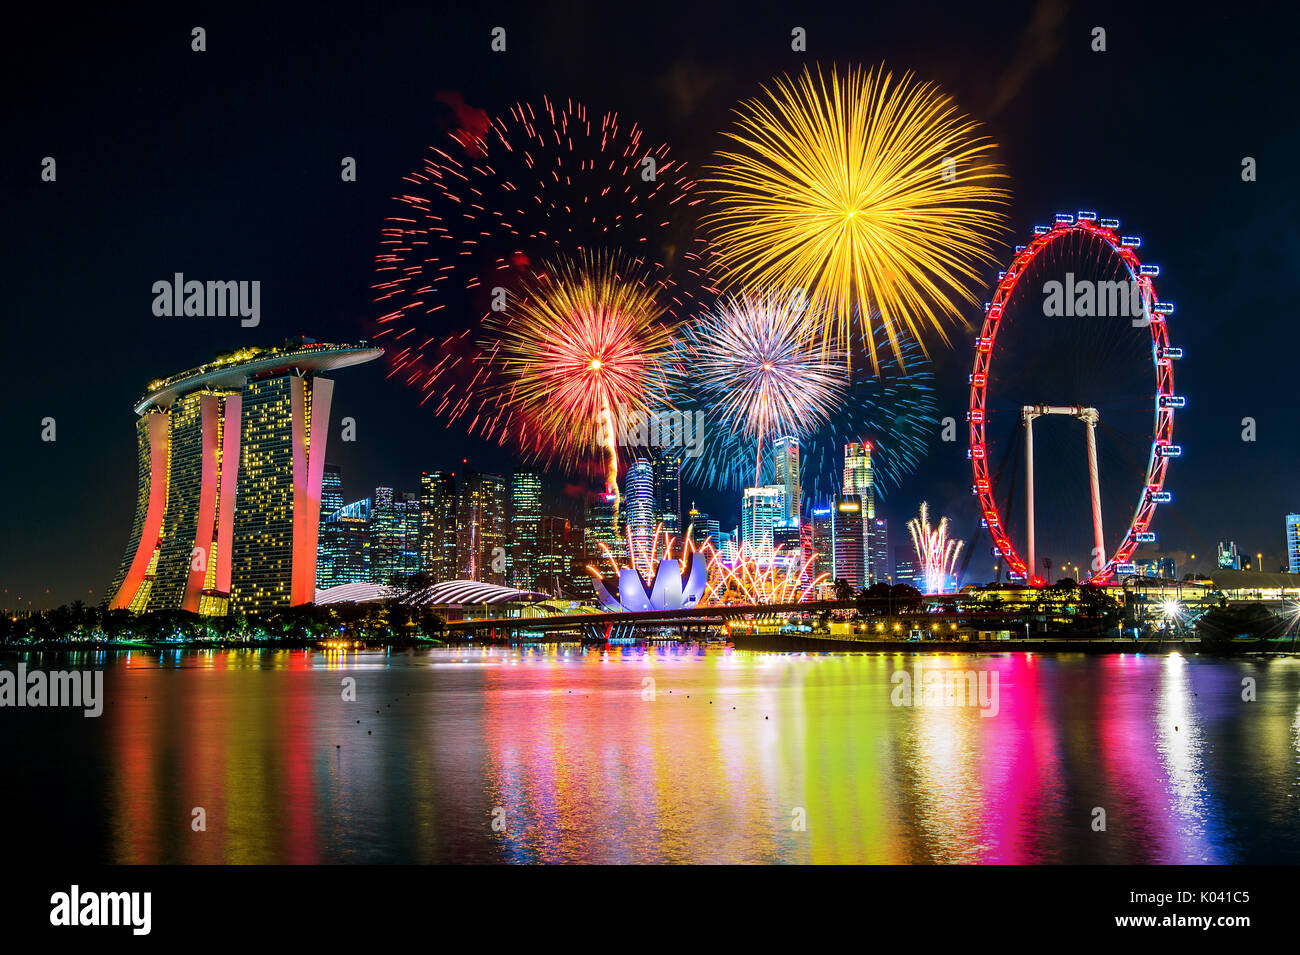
232, 456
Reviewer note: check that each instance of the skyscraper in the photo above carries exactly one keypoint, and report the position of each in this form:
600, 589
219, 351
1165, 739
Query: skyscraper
232, 462
558, 543
344, 549
481, 528
823, 542
603, 528
905, 566
331, 500
860, 480
331, 490
849, 556
880, 556
639, 499
438, 525
787, 542
394, 537
760, 509
668, 490
1293, 543
785, 458
525, 520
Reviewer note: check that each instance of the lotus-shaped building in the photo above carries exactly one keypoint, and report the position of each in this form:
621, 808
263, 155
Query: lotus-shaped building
674, 588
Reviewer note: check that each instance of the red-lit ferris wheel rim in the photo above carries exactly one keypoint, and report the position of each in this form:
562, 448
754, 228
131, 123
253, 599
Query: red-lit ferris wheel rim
1162, 448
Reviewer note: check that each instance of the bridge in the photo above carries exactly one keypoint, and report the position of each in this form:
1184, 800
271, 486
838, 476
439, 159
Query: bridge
701, 621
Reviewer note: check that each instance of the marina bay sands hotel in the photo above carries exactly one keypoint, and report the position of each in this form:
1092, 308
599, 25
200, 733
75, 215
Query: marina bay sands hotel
232, 454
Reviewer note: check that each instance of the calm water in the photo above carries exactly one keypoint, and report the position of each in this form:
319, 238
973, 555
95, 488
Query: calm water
561, 749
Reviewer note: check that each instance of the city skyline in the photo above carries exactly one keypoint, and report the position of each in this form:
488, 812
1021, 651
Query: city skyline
329, 298
591, 434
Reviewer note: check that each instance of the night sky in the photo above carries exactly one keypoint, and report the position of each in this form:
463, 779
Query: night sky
225, 165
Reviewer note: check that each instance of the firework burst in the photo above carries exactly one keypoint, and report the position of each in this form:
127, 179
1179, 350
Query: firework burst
583, 343
487, 205
896, 410
875, 196
936, 554
752, 365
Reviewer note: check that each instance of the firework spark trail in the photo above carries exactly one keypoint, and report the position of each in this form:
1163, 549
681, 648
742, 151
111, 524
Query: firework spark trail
583, 341
753, 366
936, 554
876, 197
772, 579
540, 181
645, 560
769, 580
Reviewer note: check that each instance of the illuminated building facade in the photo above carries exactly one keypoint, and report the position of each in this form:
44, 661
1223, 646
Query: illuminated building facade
525, 519
438, 525
331, 490
668, 490
849, 562
232, 461
760, 509
788, 543
905, 566
859, 479
604, 528
1229, 558
481, 528
1162, 567
559, 551
343, 554
822, 532
1293, 543
878, 541
785, 460
394, 537
639, 499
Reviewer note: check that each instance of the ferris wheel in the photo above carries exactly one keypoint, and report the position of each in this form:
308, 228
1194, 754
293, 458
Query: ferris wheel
1117, 287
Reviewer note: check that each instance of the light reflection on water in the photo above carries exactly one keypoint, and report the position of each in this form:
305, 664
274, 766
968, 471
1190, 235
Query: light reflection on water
566, 752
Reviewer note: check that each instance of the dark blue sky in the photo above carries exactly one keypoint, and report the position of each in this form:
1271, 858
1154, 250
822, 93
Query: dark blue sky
225, 164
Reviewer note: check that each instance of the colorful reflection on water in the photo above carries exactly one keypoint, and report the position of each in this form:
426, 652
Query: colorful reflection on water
664, 754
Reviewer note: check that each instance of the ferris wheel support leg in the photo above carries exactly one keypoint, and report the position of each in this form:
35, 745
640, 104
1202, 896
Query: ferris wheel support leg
1029, 494
1099, 541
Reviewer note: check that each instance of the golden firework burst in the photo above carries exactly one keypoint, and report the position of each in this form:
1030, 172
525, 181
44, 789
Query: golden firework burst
877, 198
